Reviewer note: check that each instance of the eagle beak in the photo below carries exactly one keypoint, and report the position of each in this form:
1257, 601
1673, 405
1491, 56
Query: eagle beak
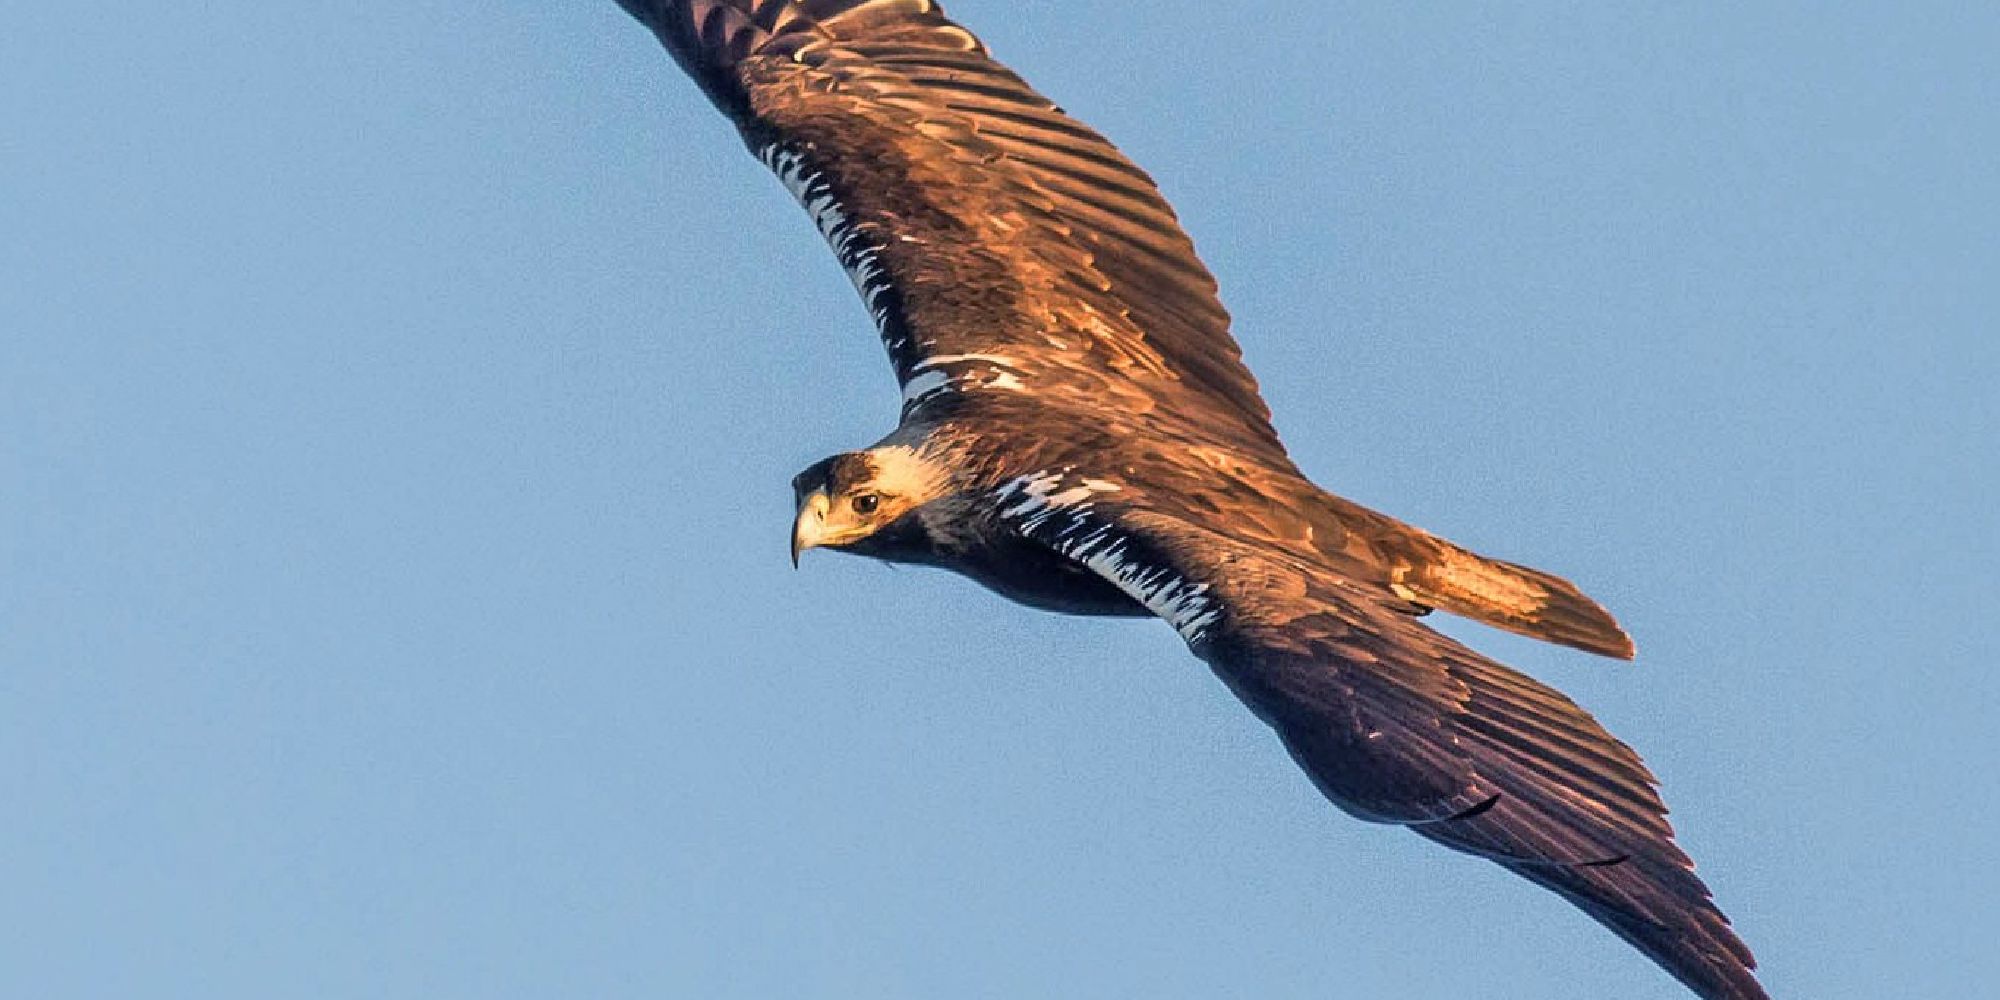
810, 528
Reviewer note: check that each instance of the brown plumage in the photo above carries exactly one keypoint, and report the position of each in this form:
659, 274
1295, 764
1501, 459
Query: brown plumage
1079, 433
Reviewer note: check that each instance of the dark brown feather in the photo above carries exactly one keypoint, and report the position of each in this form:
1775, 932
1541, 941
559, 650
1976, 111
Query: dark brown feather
1396, 723
1005, 227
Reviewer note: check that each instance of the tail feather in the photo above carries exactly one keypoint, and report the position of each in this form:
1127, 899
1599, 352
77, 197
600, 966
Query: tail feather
1513, 597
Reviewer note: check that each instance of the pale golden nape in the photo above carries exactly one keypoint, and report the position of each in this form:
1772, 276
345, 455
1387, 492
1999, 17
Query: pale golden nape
902, 472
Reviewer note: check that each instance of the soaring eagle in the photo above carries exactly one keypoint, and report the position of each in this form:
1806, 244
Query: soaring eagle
1079, 434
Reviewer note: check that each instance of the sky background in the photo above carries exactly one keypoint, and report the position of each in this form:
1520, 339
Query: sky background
398, 403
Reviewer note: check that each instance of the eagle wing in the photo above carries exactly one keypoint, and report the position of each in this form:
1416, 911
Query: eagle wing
1000, 245
1399, 724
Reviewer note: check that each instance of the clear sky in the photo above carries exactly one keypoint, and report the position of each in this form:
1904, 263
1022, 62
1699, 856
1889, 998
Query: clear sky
398, 403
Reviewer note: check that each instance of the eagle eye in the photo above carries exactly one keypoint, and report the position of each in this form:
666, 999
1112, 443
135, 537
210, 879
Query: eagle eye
865, 503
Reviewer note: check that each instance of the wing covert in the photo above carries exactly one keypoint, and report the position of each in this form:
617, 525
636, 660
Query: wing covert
999, 244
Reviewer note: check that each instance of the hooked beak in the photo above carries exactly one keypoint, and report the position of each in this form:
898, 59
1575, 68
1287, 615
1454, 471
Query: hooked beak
810, 528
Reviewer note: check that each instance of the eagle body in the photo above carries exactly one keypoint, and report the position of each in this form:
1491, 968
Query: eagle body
1079, 434
963, 528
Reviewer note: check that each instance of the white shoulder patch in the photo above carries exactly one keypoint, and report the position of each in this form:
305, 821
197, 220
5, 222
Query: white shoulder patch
923, 385
942, 373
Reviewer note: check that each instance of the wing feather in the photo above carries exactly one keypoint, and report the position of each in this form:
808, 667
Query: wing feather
1004, 227
1397, 723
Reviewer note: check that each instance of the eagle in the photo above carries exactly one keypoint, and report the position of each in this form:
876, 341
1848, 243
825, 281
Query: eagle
1079, 434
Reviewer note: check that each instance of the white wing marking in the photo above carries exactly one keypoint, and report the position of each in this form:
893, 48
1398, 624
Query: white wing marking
857, 251
1037, 500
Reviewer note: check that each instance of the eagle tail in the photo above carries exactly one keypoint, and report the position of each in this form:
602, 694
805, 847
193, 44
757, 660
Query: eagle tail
1513, 597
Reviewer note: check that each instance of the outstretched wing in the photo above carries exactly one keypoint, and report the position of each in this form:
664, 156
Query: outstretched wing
1000, 245
1398, 724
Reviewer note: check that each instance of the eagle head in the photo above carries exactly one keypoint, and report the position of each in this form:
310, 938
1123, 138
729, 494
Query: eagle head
862, 501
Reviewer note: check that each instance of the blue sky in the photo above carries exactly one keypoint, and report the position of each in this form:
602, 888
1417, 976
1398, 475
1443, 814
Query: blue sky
397, 405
